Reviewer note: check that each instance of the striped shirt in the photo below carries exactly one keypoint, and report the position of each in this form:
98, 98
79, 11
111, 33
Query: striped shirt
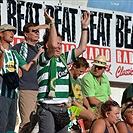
62, 78
8, 66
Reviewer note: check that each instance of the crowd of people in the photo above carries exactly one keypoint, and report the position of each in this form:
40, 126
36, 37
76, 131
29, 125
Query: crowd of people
47, 86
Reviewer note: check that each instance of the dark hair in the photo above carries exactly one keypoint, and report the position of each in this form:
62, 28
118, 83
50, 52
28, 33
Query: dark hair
81, 62
102, 108
46, 37
27, 26
107, 106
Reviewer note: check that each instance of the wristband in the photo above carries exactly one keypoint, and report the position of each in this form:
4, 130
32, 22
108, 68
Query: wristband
52, 23
85, 29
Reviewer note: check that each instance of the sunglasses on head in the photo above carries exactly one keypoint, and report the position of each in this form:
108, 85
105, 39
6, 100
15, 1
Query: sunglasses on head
129, 106
35, 31
112, 103
98, 67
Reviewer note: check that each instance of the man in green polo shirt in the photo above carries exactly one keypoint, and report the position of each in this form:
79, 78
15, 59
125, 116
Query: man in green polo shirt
95, 83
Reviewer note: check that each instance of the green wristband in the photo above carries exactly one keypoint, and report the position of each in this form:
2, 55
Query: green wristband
52, 23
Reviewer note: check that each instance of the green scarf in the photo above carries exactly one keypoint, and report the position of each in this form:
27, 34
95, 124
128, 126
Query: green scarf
63, 59
52, 78
24, 49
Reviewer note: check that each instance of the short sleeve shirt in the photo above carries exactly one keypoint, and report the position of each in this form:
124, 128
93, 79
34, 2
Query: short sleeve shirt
77, 89
62, 77
9, 67
92, 88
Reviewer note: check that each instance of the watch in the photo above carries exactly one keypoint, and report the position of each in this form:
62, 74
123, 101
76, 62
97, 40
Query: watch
85, 29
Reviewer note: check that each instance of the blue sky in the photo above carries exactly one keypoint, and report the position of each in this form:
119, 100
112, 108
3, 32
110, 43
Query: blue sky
114, 5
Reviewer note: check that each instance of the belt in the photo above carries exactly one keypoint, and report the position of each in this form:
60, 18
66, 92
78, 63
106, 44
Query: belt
62, 104
44, 104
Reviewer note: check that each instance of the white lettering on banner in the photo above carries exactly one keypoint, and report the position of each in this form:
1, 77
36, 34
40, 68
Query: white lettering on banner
94, 51
124, 56
110, 32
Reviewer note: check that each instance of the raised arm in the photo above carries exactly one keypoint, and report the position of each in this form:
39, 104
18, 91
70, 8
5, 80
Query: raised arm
84, 34
42, 26
53, 34
52, 41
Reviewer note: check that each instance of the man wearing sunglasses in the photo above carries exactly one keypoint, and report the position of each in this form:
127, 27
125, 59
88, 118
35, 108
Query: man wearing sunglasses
96, 84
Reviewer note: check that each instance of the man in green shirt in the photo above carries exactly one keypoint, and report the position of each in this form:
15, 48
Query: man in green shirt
80, 107
53, 79
95, 83
10, 61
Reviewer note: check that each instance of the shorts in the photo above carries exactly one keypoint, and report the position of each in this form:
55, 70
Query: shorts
76, 110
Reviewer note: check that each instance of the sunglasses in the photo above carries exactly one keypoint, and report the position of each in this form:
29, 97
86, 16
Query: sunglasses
129, 106
112, 103
99, 67
35, 31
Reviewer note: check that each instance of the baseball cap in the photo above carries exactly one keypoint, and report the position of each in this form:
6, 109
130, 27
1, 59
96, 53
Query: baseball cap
7, 27
100, 60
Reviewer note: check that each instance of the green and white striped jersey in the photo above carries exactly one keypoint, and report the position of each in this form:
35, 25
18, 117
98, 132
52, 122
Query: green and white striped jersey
62, 77
8, 66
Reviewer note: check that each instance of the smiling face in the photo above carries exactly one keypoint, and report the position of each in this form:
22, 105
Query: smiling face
58, 50
97, 71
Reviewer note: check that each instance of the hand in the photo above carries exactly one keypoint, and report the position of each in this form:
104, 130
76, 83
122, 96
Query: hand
48, 17
20, 73
41, 50
2, 48
85, 20
72, 117
42, 26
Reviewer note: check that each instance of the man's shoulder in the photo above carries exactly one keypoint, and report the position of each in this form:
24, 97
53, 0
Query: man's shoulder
17, 46
88, 74
105, 76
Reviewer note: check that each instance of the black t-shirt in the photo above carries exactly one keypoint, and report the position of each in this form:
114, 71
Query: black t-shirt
28, 81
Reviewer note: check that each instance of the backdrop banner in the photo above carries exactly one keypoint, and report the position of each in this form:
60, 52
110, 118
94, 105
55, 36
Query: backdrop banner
110, 32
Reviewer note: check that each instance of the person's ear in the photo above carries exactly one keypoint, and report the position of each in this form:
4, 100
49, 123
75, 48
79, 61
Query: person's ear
46, 45
74, 66
124, 117
107, 114
1, 35
25, 34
